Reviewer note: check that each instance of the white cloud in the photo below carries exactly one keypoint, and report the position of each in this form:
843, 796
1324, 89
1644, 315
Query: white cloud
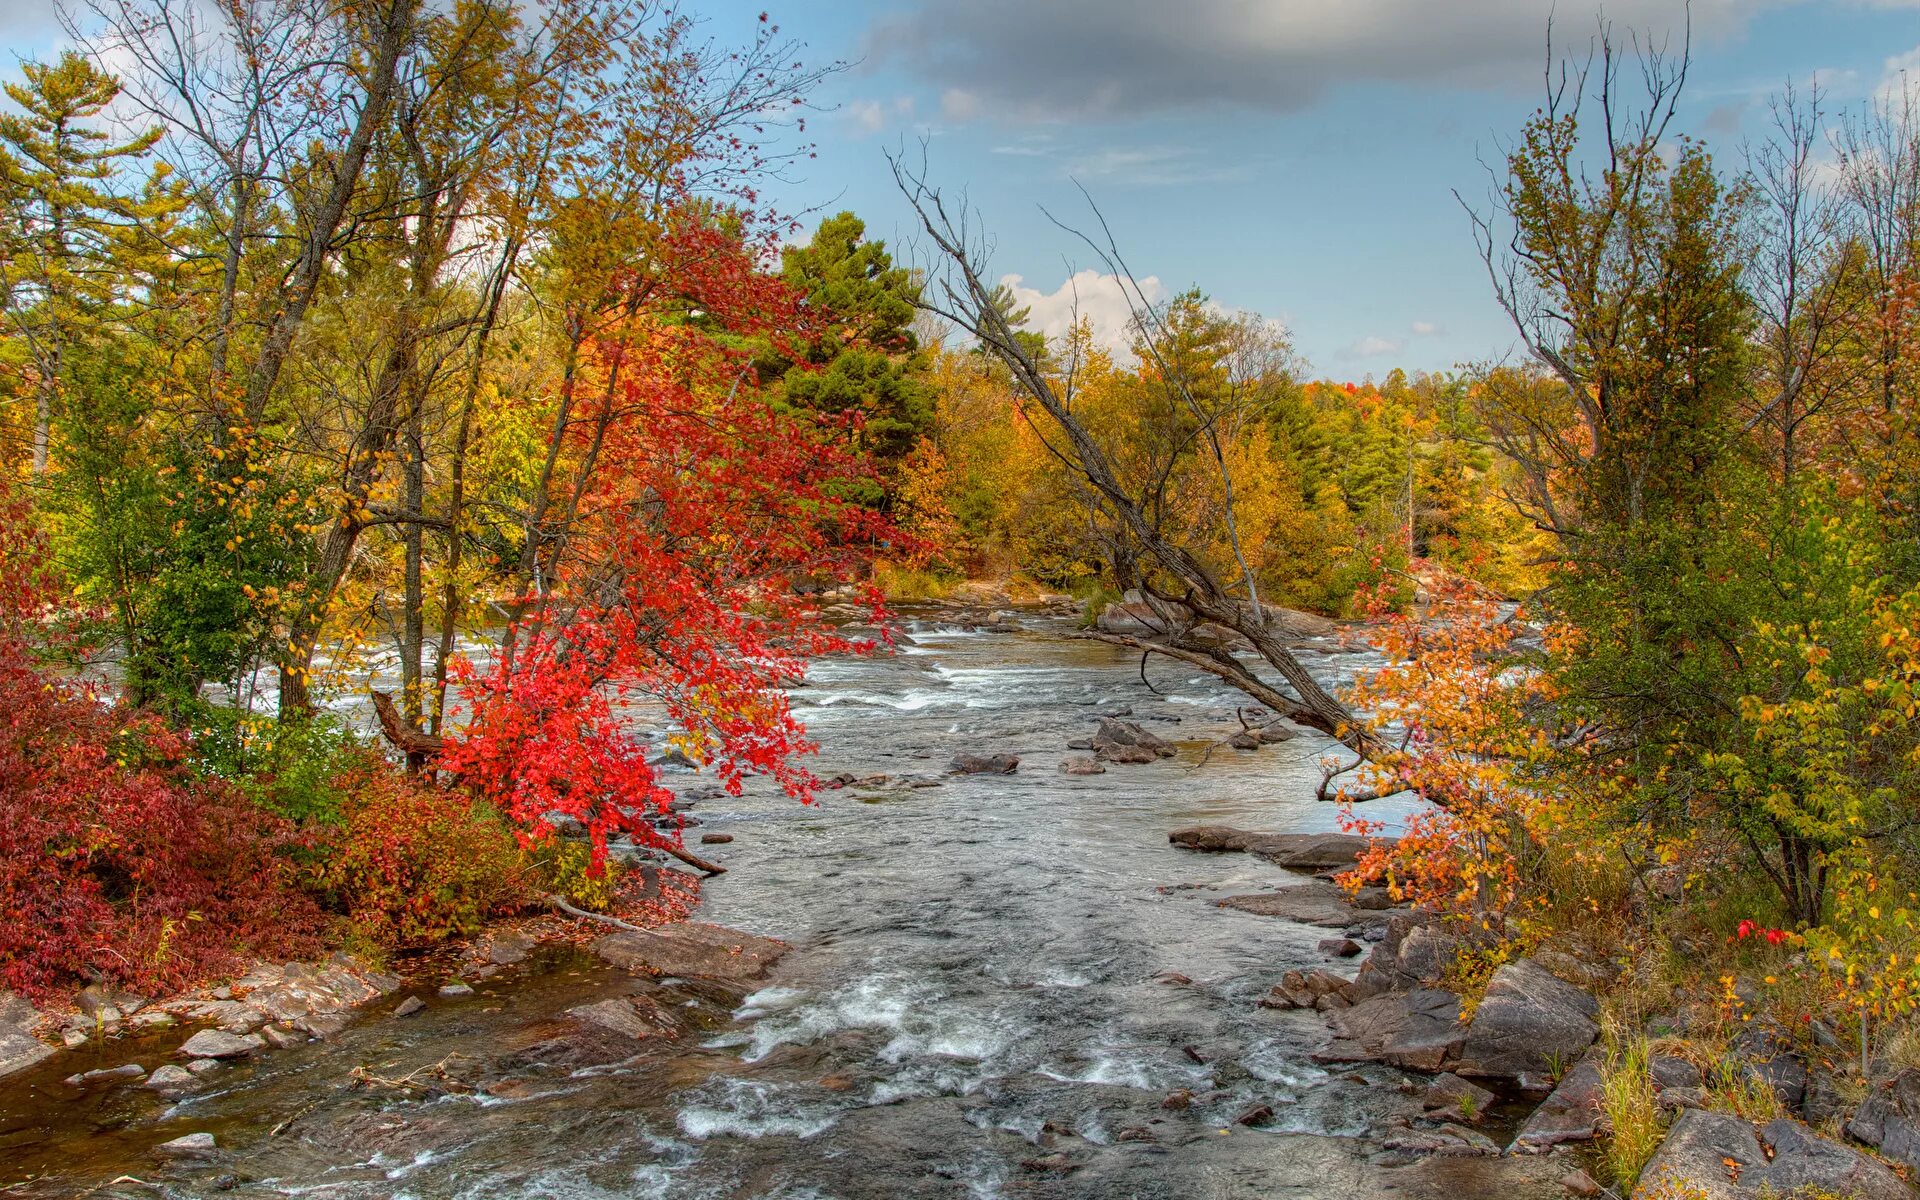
1374, 346
874, 116
1085, 295
1427, 329
1901, 73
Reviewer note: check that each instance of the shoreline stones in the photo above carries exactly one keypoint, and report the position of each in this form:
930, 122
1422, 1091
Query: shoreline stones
1718, 1156
691, 948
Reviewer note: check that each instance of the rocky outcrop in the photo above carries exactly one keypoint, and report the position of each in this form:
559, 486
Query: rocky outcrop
692, 948
1889, 1119
1574, 1112
1717, 1156
1529, 1023
1451, 1098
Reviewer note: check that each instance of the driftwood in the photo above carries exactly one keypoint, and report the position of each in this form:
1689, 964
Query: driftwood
572, 911
694, 860
418, 746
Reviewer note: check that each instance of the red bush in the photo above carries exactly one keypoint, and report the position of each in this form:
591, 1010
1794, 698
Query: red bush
115, 863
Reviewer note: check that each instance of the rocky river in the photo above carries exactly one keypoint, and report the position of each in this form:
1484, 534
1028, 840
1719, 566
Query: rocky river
1002, 985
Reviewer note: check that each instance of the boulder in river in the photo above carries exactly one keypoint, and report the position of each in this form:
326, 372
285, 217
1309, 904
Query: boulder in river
171, 1081
1530, 1022
1317, 903
1125, 741
1295, 851
984, 764
692, 948
1081, 764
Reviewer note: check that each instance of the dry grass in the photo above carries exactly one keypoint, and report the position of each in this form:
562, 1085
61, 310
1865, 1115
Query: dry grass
1632, 1110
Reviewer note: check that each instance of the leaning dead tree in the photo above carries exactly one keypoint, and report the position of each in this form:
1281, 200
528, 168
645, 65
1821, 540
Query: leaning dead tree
1194, 606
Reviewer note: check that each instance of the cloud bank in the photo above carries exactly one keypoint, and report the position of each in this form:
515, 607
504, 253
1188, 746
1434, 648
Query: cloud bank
1067, 59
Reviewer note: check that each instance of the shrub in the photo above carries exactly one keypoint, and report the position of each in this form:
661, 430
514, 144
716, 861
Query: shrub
116, 861
565, 868
289, 767
414, 863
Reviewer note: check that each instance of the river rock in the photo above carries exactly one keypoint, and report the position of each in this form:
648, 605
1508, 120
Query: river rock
1275, 732
409, 1006
1717, 1156
629, 1016
1128, 741
1574, 1112
1310, 851
1317, 903
692, 948
1418, 1030
1246, 739
170, 1080
17, 1012
1303, 989
984, 764
1451, 1098
217, 1043
106, 1075
18, 1051
1340, 947
1215, 838
192, 1145
1413, 953
508, 947
1529, 1022
1081, 764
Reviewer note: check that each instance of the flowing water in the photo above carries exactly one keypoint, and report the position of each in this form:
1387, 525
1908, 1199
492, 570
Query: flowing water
975, 988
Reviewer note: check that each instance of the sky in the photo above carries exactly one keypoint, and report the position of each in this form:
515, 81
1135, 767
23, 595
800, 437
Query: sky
1301, 159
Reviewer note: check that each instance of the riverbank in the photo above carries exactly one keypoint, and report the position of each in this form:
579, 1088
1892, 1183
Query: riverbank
995, 985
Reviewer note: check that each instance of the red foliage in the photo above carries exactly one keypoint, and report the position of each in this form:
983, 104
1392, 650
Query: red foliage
115, 862
697, 511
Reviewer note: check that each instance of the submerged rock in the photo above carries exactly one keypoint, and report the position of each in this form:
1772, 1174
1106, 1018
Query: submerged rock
1081, 764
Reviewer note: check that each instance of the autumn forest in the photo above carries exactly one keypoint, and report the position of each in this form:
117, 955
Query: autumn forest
434, 467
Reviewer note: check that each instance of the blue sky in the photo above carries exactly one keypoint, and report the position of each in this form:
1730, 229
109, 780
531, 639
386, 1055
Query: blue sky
1295, 158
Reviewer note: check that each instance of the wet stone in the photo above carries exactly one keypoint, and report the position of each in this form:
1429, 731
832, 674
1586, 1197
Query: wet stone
170, 1080
217, 1043
456, 990
409, 1006
192, 1145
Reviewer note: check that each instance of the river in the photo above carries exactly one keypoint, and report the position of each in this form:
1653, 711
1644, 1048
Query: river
977, 997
